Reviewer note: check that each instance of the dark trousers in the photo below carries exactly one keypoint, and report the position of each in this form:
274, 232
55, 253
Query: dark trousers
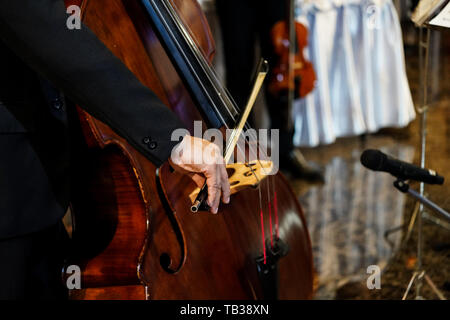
31, 265
243, 24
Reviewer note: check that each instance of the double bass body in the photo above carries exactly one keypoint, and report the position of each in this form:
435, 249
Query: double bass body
134, 234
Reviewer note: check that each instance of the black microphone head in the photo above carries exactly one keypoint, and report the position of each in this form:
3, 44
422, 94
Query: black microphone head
439, 179
373, 159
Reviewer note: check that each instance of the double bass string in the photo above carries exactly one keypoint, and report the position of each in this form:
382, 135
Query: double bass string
226, 99
261, 214
270, 211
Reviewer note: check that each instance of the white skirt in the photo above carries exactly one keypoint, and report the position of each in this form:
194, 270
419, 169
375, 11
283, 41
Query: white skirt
357, 51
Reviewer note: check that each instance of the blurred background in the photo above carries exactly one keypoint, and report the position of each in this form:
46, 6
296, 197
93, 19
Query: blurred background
366, 94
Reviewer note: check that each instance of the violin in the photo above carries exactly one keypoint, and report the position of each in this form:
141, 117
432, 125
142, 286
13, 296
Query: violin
292, 72
135, 235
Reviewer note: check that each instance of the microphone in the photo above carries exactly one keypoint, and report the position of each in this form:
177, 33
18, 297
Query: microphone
378, 161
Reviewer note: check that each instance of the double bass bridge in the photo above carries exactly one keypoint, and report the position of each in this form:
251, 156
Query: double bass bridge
242, 176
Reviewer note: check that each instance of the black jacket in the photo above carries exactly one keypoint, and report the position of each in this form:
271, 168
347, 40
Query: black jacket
35, 44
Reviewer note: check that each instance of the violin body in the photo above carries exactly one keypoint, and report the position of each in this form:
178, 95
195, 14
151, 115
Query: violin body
134, 234
303, 70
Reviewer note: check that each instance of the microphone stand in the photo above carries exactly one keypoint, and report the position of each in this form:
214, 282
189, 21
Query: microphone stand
420, 274
404, 187
419, 212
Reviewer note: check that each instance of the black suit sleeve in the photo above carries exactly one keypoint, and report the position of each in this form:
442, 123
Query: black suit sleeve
77, 62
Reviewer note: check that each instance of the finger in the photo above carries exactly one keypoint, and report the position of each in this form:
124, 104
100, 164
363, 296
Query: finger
213, 181
215, 191
225, 185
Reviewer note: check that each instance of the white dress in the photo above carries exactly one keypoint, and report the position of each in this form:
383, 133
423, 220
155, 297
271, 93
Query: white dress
357, 50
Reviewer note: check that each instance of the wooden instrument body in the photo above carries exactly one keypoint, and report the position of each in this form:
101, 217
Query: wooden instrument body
133, 221
303, 70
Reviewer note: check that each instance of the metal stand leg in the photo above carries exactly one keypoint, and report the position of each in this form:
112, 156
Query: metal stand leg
411, 281
420, 273
412, 222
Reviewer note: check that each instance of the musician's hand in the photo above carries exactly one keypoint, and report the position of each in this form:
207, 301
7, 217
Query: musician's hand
202, 159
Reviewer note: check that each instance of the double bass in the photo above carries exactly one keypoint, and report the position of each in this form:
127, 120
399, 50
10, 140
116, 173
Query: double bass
135, 236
